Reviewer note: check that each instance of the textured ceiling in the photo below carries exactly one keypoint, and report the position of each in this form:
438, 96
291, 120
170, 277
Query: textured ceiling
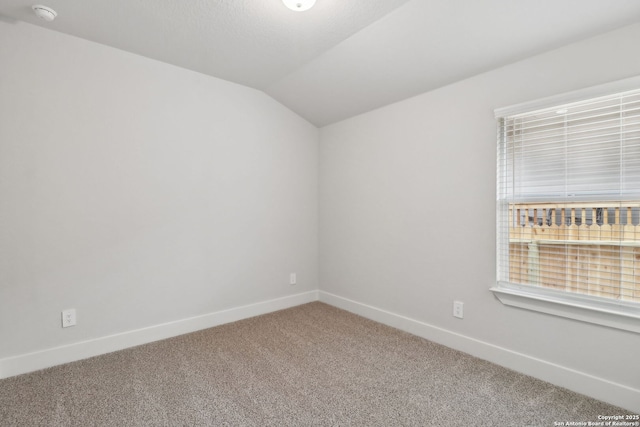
251, 42
343, 57
426, 44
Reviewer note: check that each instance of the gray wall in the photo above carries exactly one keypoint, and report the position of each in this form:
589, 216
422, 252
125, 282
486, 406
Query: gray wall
140, 193
387, 177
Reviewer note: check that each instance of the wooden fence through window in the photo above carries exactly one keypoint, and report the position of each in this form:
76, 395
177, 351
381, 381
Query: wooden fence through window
586, 248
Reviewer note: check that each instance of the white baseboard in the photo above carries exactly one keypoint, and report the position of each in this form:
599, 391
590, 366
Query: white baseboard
580, 382
598, 388
30, 362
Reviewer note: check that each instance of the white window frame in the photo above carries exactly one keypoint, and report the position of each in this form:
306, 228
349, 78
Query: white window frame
615, 314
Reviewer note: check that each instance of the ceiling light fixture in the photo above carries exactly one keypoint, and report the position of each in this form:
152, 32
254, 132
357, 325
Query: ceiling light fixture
299, 5
44, 12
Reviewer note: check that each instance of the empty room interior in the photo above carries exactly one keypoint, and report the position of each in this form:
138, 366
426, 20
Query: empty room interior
329, 212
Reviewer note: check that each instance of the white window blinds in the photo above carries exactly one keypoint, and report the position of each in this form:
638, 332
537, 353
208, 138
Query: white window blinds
569, 198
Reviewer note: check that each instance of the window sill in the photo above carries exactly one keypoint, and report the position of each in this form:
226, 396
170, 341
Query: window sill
613, 314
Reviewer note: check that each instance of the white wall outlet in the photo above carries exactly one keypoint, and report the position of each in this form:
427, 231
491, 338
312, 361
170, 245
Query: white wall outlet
293, 279
69, 318
458, 309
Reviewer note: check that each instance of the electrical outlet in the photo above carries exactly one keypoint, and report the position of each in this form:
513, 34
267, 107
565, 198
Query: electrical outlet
293, 279
458, 309
69, 318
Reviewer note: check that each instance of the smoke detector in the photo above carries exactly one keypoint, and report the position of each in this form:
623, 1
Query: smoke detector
44, 12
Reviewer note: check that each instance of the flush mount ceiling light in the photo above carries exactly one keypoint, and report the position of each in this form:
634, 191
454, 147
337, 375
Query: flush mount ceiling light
299, 5
44, 12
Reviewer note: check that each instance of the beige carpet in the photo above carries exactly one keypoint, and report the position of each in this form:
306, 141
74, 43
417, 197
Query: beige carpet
312, 365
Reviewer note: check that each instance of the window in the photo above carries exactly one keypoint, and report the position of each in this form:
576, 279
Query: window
568, 223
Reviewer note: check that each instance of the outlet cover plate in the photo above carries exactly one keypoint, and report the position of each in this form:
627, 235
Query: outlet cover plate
68, 317
458, 309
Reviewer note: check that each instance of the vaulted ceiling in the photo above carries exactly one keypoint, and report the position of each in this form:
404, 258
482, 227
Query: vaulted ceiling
342, 57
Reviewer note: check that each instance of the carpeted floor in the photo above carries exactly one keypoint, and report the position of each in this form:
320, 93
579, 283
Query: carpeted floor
312, 365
